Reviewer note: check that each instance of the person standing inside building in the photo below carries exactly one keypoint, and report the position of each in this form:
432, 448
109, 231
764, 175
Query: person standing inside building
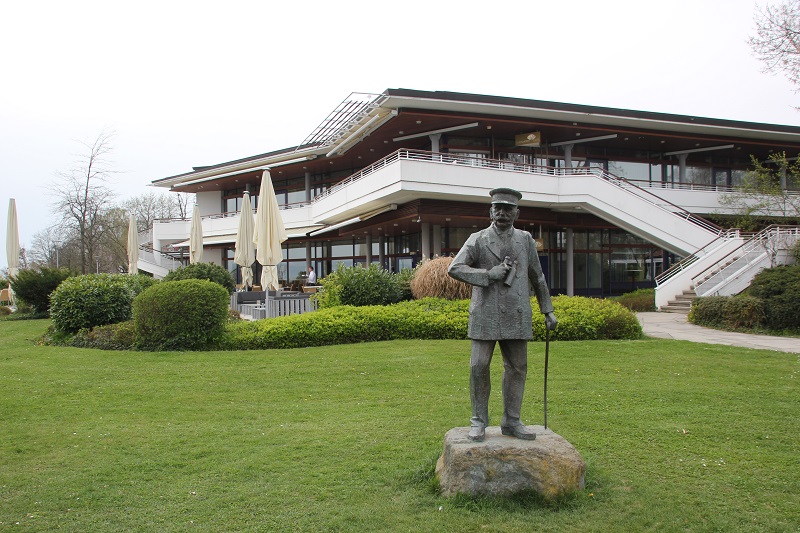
501, 264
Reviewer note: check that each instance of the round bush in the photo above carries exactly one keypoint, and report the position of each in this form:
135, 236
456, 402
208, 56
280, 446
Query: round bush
359, 286
180, 315
209, 271
431, 280
92, 300
34, 287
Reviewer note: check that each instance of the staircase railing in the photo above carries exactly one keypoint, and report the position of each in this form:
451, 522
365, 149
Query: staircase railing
690, 259
513, 166
770, 241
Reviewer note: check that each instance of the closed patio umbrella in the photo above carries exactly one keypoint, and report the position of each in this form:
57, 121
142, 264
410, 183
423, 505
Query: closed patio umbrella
269, 233
245, 254
12, 241
196, 238
133, 246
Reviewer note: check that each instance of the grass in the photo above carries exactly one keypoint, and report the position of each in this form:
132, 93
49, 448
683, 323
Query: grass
677, 437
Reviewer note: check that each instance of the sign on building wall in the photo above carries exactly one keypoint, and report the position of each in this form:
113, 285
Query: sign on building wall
528, 139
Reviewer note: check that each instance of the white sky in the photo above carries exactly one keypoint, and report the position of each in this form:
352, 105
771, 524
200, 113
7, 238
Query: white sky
193, 83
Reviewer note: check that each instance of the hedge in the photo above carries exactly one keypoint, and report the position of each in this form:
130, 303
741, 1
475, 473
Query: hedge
429, 318
84, 302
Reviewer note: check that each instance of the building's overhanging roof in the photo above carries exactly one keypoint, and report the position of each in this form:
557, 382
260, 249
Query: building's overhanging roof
540, 109
352, 122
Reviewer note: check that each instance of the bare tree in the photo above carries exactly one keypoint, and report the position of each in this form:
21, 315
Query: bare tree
777, 39
82, 197
150, 206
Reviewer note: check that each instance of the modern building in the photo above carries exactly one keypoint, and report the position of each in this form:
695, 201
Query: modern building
613, 197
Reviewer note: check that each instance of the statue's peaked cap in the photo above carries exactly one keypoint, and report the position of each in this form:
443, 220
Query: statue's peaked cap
504, 195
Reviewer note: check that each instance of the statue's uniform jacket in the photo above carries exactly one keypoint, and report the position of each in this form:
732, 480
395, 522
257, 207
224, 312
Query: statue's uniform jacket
498, 311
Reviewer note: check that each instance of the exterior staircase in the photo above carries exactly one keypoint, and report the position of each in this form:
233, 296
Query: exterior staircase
726, 268
681, 304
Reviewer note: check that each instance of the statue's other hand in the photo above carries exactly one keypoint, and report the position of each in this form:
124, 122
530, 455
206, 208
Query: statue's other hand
550, 321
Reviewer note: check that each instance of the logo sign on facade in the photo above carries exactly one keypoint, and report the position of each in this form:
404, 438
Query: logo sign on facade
528, 139
539, 243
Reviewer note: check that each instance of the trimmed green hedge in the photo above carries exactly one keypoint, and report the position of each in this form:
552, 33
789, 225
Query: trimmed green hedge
429, 318
640, 300
771, 303
84, 302
728, 312
180, 315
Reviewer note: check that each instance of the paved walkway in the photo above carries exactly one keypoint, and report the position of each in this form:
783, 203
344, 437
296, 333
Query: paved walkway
675, 326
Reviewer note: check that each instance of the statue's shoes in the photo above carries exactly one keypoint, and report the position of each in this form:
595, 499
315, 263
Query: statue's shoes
521, 432
476, 433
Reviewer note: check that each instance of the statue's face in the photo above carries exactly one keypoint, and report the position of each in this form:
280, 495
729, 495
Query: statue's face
503, 215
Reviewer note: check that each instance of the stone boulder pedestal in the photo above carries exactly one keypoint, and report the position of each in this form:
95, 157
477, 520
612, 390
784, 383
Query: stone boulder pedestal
502, 465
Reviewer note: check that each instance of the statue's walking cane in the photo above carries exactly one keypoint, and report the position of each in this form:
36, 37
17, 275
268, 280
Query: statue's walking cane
546, 357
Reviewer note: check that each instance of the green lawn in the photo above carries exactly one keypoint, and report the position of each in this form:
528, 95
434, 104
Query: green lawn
677, 437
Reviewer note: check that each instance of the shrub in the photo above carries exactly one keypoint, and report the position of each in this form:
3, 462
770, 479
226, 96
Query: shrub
208, 271
581, 318
708, 311
431, 280
780, 289
429, 318
35, 286
119, 336
360, 286
640, 300
728, 312
743, 312
180, 315
83, 302
5, 310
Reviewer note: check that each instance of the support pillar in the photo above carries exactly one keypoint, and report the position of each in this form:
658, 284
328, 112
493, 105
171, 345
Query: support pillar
435, 138
368, 240
682, 167
437, 240
568, 155
570, 262
425, 241
382, 252
308, 255
308, 187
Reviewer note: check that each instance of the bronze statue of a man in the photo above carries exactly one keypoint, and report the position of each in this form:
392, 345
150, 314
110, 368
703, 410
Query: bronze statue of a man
501, 264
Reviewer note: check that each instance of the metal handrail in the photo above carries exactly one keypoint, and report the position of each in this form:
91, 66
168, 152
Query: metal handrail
684, 263
501, 164
756, 245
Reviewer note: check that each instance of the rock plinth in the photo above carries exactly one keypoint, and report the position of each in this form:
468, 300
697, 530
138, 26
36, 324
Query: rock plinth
501, 465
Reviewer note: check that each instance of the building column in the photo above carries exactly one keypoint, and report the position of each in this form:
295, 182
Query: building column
308, 186
368, 241
425, 241
382, 252
308, 255
570, 262
682, 167
568, 155
435, 138
437, 240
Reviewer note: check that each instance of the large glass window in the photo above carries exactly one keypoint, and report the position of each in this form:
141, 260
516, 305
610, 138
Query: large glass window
629, 170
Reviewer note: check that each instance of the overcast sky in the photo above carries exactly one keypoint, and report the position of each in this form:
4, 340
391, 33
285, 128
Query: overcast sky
194, 83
